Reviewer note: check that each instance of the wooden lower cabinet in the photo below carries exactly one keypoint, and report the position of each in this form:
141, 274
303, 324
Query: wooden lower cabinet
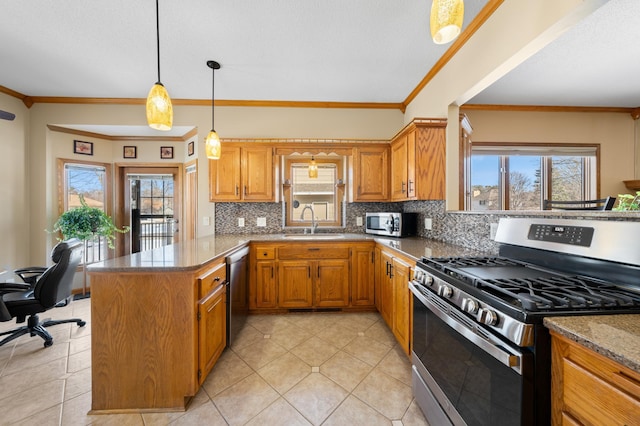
150, 351
295, 289
591, 389
212, 329
311, 275
331, 283
363, 275
393, 275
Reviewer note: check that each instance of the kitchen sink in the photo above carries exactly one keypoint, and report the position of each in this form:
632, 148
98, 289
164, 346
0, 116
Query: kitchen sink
313, 236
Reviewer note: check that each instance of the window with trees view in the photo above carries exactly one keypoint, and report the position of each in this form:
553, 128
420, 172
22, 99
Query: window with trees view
90, 181
521, 177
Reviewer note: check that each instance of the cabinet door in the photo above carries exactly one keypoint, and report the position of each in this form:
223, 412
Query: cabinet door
224, 176
399, 157
412, 166
265, 285
430, 162
332, 283
386, 287
257, 172
401, 303
212, 324
295, 288
371, 173
362, 275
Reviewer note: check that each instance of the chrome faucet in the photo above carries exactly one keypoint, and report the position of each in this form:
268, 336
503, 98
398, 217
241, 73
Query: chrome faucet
314, 224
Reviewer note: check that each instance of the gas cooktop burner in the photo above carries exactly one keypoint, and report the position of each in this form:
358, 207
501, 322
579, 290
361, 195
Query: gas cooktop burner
530, 288
560, 293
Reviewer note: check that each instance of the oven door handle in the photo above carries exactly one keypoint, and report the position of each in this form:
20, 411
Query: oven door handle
489, 344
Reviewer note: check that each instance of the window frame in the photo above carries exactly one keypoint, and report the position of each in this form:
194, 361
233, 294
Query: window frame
108, 192
545, 150
339, 189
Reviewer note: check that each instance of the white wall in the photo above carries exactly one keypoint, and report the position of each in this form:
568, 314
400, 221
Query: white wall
14, 189
45, 146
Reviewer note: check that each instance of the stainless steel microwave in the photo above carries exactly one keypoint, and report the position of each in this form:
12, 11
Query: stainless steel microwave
391, 224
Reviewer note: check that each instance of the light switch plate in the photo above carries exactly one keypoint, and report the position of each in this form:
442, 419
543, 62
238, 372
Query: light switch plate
262, 221
205, 221
428, 223
241, 222
359, 221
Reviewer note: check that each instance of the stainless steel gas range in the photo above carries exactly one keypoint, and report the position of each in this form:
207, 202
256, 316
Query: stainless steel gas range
481, 355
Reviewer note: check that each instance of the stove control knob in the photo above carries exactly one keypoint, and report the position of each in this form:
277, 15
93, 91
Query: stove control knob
427, 280
470, 306
445, 291
487, 316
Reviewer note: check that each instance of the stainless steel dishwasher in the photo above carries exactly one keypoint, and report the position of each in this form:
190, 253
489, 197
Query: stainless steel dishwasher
237, 293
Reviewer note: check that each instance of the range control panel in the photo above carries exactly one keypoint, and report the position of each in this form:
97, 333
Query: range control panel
576, 235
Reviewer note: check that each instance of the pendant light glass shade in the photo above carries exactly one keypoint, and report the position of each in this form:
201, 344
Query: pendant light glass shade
313, 169
212, 145
159, 108
446, 20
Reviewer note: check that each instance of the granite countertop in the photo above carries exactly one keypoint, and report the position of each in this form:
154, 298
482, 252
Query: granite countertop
192, 254
614, 336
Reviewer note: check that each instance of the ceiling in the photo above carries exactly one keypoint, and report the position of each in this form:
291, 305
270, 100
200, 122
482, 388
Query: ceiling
364, 51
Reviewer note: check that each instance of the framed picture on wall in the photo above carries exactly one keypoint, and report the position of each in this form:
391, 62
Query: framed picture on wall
190, 148
81, 147
129, 152
166, 152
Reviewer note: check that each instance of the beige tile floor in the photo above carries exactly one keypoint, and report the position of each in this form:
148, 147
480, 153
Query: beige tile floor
295, 369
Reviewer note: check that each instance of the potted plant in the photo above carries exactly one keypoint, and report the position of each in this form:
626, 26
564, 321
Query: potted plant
86, 223
628, 202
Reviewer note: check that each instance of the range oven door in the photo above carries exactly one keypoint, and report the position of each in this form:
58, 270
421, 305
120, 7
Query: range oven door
463, 375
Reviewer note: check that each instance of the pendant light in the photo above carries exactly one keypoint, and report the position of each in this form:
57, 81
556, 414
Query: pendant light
446, 20
313, 169
212, 142
159, 108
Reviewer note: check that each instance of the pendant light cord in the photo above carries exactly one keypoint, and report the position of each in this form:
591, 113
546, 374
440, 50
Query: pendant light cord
213, 87
158, 37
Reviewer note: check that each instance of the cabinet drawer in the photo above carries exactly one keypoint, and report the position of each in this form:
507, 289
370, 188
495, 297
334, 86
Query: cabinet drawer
212, 278
313, 251
265, 253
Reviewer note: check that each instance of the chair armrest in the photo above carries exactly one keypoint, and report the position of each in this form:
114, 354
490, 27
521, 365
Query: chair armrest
30, 274
13, 287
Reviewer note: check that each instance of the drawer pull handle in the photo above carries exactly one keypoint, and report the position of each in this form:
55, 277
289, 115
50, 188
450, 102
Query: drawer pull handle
216, 279
313, 249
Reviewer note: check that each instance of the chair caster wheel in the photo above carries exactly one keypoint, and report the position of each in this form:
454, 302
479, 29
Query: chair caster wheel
82, 323
48, 343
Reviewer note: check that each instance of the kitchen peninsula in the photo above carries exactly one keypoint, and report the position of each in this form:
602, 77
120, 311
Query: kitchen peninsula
150, 352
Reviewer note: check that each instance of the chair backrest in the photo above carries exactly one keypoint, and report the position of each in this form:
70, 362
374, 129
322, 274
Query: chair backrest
55, 284
600, 204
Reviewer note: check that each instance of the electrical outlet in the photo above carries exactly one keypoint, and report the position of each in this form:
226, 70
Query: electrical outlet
262, 221
241, 222
206, 221
428, 223
493, 228
359, 221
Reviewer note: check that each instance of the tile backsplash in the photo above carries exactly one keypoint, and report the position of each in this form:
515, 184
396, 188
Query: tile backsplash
467, 229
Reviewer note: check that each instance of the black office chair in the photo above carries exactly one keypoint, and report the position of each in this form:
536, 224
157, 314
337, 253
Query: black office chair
43, 289
600, 204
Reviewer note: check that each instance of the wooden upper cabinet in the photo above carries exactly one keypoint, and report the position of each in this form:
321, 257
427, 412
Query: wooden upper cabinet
418, 161
224, 175
371, 173
399, 172
257, 176
242, 174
